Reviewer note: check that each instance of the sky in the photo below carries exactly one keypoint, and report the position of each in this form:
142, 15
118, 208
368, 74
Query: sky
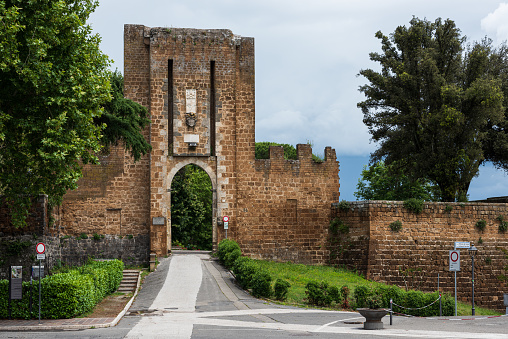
308, 55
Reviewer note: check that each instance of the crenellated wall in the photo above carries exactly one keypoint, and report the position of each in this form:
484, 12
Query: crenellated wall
418, 253
199, 87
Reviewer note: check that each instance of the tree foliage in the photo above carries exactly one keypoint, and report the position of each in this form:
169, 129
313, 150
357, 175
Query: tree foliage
436, 106
262, 150
380, 182
124, 120
53, 83
191, 208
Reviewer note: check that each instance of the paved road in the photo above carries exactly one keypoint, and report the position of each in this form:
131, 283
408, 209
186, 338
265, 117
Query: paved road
190, 296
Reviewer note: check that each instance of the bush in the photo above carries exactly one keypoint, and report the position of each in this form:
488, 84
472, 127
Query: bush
480, 225
381, 295
231, 257
281, 289
224, 247
321, 294
344, 294
396, 226
414, 205
262, 284
66, 295
245, 269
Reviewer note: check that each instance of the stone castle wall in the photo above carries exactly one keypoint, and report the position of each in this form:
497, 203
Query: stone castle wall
277, 208
416, 254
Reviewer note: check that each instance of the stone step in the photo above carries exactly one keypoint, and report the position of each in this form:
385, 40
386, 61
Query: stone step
129, 281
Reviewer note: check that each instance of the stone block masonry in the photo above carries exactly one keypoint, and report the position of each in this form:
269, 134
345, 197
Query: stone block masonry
415, 255
199, 88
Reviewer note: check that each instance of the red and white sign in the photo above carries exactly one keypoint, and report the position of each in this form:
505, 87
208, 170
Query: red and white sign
225, 218
454, 259
40, 248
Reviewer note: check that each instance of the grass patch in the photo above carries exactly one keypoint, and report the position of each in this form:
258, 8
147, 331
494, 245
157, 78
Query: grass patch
299, 275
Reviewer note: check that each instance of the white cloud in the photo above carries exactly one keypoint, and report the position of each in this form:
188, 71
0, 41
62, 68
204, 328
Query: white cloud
497, 22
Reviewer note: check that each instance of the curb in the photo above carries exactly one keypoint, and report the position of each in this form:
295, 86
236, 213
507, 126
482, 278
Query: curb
41, 327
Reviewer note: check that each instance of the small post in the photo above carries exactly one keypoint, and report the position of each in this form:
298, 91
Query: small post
31, 290
39, 291
391, 311
440, 306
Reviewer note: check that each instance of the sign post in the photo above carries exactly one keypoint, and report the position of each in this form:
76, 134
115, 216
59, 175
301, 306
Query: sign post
40, 249
454, 261
225, 219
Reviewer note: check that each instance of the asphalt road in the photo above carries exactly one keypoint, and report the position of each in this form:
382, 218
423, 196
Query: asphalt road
191, 296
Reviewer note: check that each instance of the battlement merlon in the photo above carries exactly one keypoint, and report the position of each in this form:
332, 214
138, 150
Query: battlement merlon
191, 35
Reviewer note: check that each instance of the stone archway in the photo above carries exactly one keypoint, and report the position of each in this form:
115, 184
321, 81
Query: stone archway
205, 166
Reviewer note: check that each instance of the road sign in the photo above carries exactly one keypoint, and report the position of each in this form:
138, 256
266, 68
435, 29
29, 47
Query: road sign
40, 248
226, 225
454, 259
462, 244
225, 218
41, 256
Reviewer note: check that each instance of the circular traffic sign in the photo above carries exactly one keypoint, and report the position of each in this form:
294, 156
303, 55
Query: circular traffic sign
454, 256
40, 248
225, 218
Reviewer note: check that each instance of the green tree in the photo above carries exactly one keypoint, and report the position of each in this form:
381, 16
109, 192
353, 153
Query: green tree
53, 84
191, 208
124, 120
381, 182
262, 150
432, 109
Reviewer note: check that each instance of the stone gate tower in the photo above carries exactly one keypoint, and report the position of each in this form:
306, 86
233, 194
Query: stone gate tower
198, 86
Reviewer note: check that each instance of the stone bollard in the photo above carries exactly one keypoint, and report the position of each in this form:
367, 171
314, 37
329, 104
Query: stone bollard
153, 260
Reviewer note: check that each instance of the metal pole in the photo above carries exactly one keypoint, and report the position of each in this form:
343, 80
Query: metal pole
455, 293
440, 306
39, 291
391, 310
472, 270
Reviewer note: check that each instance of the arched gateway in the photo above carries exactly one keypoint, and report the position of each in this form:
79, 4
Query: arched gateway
199, 88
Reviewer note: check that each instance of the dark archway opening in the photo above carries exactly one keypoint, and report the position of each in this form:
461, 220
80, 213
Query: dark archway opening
191, 209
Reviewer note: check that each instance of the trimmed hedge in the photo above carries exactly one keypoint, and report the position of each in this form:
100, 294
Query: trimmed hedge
364, 296
65, 295
246, 270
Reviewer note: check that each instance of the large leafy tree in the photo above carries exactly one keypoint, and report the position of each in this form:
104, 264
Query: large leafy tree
436, 107
124, 120
191, 208
53, 84
381, 182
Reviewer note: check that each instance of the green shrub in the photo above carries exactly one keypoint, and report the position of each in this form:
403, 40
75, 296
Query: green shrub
281, 289
344, 294
344, 206
231, 257
396, 226
83, 236
262, 284
360, 295
480, 225
415, 300
224, 247
66, 295
414, 205
321, 294
244, 270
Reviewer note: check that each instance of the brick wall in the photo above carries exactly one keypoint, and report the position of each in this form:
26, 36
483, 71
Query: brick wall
423, 245
37, 220
278, 209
